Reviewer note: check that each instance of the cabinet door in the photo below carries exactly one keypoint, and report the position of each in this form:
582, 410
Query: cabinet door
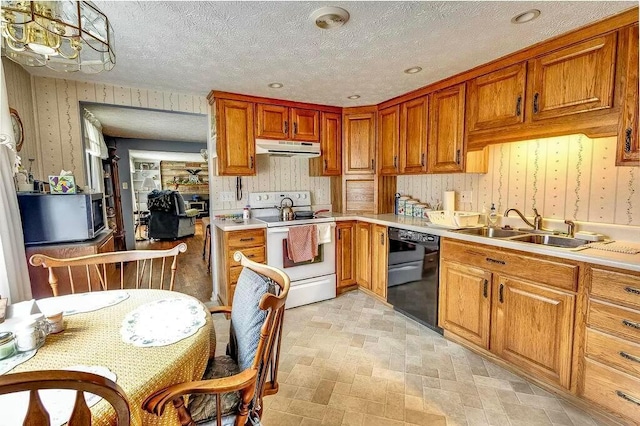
273, 122
379, 256
628, 141
359, 143
532, 328
305, 125
363, 254
465, 302
497, 99
577, 79
446, 130
388, 134
345, 251
236, 143
414, 123
331, 143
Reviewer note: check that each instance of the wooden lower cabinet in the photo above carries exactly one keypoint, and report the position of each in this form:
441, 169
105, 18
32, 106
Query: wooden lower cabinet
379, 256
251, 243
612, 389
363, 254
465, 302
345, 249
532, 327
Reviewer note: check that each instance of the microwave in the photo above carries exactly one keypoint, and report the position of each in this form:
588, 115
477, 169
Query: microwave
59, 218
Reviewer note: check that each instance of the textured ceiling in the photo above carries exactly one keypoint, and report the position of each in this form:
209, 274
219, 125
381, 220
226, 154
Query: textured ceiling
136, 123
240, 47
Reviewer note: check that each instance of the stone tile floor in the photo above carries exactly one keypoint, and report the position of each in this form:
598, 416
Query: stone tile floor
354, 361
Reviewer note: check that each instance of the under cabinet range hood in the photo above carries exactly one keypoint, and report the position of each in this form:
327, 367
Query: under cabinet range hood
288, 148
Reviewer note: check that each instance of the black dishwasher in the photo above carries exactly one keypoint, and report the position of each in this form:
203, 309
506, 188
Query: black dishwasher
413, 275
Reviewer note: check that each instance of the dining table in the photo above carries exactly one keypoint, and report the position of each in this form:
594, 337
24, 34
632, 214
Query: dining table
95, 339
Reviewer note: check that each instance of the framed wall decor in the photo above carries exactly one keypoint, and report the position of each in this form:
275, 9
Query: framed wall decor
18, 129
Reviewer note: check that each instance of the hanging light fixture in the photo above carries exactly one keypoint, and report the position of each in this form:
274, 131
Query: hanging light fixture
60, 35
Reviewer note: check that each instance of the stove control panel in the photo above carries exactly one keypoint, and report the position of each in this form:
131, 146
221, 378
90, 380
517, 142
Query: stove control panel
259, 200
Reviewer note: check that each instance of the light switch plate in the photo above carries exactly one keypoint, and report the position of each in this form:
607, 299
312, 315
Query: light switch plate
465, 196
125, 185
227, 196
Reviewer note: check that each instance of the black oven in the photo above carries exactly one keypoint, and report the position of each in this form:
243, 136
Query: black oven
413, 275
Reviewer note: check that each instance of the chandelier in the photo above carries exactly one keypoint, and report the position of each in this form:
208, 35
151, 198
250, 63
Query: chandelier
60, 35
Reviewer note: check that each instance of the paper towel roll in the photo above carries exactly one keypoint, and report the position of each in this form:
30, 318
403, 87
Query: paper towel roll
449, 201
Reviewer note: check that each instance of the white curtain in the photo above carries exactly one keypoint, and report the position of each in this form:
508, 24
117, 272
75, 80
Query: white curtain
95, 145
14, 276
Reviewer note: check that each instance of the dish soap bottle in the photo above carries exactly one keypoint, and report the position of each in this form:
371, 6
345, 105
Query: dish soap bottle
493, 216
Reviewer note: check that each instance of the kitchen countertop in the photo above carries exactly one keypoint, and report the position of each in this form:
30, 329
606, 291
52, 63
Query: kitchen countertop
599, 257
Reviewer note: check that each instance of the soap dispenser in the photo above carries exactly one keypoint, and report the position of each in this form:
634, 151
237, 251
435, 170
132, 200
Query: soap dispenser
493, 216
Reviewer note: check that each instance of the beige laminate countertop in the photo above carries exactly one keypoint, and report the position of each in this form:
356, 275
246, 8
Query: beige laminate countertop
599, 257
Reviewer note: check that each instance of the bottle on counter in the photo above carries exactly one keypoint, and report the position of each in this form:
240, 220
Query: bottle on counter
246, 213
493, 216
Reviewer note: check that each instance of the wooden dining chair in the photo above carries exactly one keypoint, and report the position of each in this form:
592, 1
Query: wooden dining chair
33, 381
98, 271
233, 385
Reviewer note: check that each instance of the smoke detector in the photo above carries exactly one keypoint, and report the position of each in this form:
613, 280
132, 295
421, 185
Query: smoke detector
330, 17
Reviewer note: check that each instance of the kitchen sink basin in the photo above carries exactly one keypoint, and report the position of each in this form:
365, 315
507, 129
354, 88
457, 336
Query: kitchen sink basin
491, 232
550, 240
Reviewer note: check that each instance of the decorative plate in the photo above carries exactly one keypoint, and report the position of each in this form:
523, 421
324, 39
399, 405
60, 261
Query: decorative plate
163, 322
82, 302
18, 129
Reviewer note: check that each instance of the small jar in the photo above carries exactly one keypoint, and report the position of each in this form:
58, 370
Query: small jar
32, 333
7, 344
56, 323
401, 204
246, 213
418, 209
408, 207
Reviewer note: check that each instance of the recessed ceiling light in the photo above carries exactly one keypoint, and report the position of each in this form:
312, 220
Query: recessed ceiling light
353, 97
329, 17
524, 17
413, 70
275, 85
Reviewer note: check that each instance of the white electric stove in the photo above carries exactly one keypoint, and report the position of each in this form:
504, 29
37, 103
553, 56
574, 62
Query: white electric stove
311, 281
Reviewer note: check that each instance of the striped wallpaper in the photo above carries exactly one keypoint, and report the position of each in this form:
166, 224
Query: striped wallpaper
568, 177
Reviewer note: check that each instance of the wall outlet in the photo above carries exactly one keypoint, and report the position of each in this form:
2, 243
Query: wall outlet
465, 196
227, 196
125, 185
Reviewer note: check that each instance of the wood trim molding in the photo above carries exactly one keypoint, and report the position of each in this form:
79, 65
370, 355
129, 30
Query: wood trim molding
215, 94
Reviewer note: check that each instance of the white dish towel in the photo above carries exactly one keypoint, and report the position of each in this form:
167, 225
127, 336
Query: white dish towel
324, 233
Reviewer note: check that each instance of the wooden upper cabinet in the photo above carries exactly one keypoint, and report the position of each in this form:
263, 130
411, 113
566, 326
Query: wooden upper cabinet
628, 152
446, 130
273, 122
363, 254
414, 124
497, 99
388, 128
532, 327
465, 302
235, 141
305, 125
345, 253
573, 80
359, 142
330, 161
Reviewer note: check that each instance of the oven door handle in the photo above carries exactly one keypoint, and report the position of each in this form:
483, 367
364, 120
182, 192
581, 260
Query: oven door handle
403, 268
278, 231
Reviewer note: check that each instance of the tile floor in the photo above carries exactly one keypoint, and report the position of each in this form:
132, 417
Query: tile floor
354, 361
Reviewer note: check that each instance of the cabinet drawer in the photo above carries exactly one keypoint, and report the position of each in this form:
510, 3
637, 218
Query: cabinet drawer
257, 254
615, 319
248, 238
234, 274
612, 389
613, 351
616, 286
517, 264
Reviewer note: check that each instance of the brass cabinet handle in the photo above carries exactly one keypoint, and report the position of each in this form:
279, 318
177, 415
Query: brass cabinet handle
631, 324
325, 164
536, 107
501, 293
630, 357
458, 156
422, 161
373, 164
382, 238
500, 262
627, 140
485, 290
519, 106
251, 163
286, 127
339, 234
246, 239
628, 397
395, 162
632, 290
295, 128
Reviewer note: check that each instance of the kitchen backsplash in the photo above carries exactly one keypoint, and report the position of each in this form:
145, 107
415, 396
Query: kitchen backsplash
273, 174
568, 177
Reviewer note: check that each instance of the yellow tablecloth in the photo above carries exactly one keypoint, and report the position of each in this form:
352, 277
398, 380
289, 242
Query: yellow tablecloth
93, 338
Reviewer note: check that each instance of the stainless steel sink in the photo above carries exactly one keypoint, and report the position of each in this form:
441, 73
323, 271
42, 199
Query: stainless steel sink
491, 232
550, 240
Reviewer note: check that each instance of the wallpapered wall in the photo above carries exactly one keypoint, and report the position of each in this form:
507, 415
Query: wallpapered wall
274, 174
569, 177
57, 113
20, 99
